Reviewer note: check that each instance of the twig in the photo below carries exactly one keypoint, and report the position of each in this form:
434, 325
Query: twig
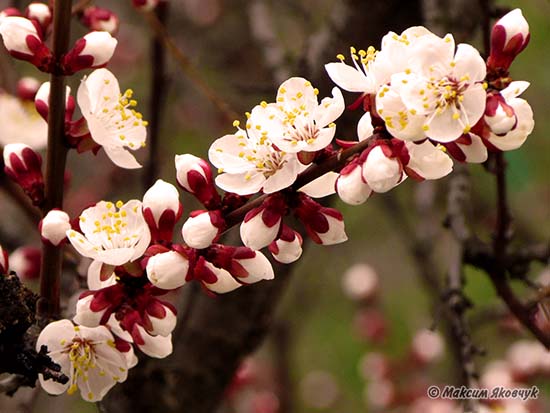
50, 274
157, 95
188, 68
80, 6
281, 338
457, 302
334, 163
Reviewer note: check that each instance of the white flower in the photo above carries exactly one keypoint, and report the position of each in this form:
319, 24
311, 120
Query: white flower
257, 268
380, 172
224, 281
87, 355
54, 226
21, 123
439, 96
192, 171
250, 163
428, 161
371, 68
202, 228
112, 121
113, 234
167, 270
297, 121
524, 115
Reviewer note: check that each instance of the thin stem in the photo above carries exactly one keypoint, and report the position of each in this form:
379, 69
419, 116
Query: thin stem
502, 232
187, 67
50, 276
157, 98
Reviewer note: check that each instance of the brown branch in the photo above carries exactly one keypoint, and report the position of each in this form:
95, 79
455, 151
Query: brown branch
157, 98
187, 67
50, 274
80, 6
334, 163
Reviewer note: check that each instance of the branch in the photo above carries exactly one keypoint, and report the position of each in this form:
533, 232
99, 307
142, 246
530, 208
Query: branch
157, 95
50, 274
187, 67
334, 163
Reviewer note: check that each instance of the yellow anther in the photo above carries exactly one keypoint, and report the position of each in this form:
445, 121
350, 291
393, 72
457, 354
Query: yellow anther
236, 123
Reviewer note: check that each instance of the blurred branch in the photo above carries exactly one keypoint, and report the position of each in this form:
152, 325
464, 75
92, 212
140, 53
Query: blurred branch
187, 67
80, 6
281, 338
457, 302
157, 98
50, 270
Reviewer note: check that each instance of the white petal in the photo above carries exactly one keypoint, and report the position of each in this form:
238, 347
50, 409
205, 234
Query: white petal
468, 62
155, 346
283, 177
443, 127
476, 152
364, 127
514, 89
428, 161
351, 188
330, 109
380, 172
94, 277
322, 186
348, 77
242, 183
258, 268
225, 282
121, 157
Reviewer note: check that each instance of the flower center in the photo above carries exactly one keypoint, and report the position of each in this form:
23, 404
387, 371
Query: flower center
113, 226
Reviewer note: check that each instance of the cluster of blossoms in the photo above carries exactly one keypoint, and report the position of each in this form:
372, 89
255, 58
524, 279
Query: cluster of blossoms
425, 103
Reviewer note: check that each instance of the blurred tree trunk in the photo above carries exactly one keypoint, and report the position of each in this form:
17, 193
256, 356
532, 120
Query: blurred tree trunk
218, 333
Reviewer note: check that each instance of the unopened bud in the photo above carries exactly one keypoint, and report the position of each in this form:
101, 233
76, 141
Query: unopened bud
27, 88
145, 5
161, 210
202, 228
288, 247
24, 166
167, 270
509, 37
351, 187
25, 261
54, 226
324, 225
23, 42
91, 51
42, 101
100, 19
381, 172
499, 116
195, 176
41, 13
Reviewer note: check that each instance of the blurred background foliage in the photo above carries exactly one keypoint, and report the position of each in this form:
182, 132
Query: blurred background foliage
221, 38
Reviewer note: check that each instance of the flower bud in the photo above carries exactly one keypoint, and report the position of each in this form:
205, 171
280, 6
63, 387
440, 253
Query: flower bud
195, 176
145, 5
23, 42
288, 247
251, 266
10, 11
261, 225
54, 226
202, 228
380, 172
351, 187
216, 279
23, 165
42, 101
323, 225
91, 51
41, 13
161, 210
27, 88
499, 116
100, 19
167, 270
427, 161
162, 316
509, 37
25, 262
4, 261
